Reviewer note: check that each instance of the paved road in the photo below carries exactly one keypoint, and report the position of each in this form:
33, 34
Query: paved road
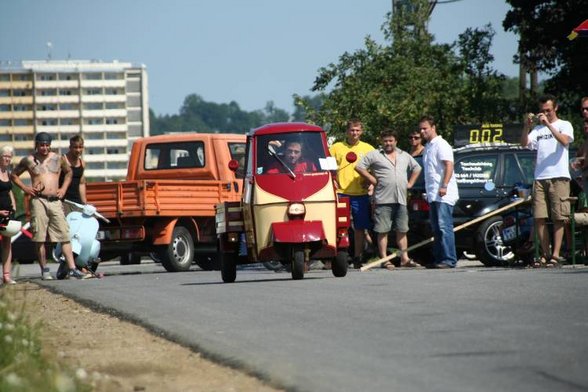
468, 329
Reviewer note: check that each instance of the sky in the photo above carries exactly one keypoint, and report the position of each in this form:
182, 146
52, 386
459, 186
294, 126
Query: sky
247, 51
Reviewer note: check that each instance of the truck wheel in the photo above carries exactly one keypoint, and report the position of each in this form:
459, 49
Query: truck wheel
340, 264
130, 258
298, 264
228, 262
179, 254
491, 251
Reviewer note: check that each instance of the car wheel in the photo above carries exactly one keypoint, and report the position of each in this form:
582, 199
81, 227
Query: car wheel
490, 249
179, 254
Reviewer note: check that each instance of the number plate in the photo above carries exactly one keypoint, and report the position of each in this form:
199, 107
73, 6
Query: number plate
509, 233
100, 235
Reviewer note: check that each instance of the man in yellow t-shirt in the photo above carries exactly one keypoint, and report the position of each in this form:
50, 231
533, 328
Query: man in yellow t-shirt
351, 184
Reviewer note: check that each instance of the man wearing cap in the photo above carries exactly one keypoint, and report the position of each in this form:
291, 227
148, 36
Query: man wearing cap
47, 217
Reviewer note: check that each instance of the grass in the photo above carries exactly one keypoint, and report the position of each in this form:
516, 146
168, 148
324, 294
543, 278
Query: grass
23, 365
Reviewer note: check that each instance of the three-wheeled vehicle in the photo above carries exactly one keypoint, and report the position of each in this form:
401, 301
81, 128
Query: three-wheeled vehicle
289, 211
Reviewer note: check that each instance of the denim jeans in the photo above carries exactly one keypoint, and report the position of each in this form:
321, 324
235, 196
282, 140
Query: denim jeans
441, 215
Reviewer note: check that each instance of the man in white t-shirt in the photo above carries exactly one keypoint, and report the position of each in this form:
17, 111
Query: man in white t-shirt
442, 193
551, 138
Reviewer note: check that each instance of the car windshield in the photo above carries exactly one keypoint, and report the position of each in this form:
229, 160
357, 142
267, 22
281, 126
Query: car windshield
291, 153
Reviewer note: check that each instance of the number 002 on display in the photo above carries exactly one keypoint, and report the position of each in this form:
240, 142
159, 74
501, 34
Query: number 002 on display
486, 135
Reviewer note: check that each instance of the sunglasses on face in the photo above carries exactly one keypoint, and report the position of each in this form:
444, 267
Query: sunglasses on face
414, 137
586, 108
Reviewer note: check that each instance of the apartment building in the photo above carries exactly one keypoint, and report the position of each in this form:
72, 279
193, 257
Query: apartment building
105, 102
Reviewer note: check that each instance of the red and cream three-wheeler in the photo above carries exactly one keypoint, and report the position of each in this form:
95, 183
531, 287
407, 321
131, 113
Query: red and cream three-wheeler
289, 211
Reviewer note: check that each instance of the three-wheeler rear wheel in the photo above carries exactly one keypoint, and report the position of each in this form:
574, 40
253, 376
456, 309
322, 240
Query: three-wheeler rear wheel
339, 264
228, 264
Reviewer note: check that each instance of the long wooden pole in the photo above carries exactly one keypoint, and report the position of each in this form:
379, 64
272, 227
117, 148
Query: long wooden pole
429, 240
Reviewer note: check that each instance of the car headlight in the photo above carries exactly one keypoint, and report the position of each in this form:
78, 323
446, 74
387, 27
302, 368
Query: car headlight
296, 211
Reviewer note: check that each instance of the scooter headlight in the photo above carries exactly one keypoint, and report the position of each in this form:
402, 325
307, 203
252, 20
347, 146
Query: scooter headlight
296, 211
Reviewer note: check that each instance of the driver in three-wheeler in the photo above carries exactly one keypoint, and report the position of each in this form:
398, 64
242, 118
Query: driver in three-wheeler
289, 210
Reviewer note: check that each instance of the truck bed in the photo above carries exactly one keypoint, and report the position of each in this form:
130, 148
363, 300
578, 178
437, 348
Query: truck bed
149, 198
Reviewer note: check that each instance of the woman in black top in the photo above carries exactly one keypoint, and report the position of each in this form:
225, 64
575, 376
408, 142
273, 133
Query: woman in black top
7, 205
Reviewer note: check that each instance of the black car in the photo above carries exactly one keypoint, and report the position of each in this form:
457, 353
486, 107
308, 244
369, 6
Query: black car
476, 166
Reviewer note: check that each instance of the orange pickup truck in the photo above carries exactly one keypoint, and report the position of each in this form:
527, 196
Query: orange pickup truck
165, 207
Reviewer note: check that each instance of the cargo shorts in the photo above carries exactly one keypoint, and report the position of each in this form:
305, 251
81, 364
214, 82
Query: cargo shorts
48, 221
547, 196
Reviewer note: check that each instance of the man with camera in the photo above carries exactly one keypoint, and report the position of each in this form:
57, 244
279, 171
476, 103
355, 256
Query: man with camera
551, 138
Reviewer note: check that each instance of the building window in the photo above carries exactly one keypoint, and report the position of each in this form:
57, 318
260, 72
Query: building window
4, 108
22, 122
113, 76
45, 76
5, 137
94, 121
23, 137
93, 91
47, 93
95, 150
4, 77
5, 123
94, 136
46, 107
48, 122
65, 92
68, 106
93, 106
67, 76
95, 165
20, 93
92, 76
114, 105
116, 165
22, 108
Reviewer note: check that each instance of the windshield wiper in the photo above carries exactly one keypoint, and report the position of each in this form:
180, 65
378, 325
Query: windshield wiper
273, 153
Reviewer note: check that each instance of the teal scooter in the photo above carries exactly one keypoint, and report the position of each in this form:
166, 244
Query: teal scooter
83, 228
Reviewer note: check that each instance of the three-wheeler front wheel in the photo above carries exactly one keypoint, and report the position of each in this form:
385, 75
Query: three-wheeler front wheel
339, 264
298, 264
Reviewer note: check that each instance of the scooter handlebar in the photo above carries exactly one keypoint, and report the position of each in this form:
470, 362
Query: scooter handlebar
92, 212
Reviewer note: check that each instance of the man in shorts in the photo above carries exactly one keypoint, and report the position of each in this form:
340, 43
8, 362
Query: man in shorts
551, 138
351, 184
47, 217
387, 170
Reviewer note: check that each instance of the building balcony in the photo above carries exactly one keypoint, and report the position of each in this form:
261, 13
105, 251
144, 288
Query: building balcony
105, 113
108, 83
57, 84
57, 99
17, 100
16, 114
17, 85
104, 98
58, 114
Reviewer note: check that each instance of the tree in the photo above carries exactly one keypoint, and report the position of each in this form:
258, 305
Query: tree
543, 27
393, 85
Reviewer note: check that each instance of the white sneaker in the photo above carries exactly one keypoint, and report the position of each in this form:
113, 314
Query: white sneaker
9, 281
46, 275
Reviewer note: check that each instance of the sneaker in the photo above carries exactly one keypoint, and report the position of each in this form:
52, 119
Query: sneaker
46, 274
357, 262
9, 281
76, 274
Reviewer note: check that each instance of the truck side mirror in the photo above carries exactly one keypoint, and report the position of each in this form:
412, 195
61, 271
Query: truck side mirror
233, 165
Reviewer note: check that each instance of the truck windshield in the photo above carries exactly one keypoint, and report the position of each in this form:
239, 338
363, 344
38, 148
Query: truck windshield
291, 153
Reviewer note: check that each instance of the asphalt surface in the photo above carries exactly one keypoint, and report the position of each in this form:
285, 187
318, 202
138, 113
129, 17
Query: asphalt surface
467, 329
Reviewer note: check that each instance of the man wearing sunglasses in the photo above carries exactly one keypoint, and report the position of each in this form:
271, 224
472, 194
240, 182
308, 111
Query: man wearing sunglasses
551, 137
47, 217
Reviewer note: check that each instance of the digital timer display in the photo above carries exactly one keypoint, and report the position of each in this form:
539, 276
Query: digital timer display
486, 133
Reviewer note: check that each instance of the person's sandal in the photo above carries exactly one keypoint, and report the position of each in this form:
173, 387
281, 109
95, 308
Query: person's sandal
538, 263
388, 265
410, 264
553, 263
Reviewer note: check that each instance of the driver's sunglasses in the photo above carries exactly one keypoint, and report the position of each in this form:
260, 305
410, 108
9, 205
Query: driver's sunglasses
44, 144
414, 137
